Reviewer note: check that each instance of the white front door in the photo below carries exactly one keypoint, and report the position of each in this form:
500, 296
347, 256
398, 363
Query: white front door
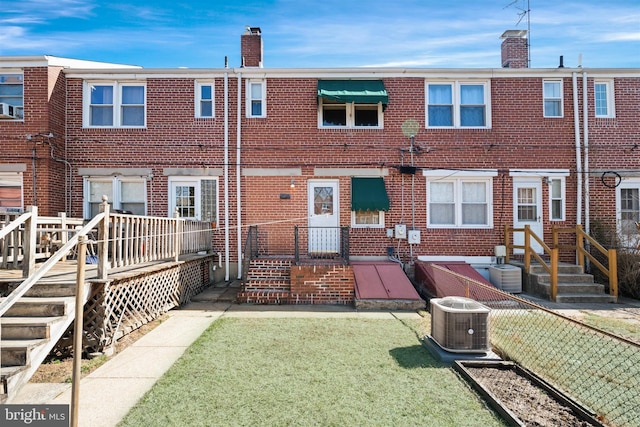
527, 210
324, 233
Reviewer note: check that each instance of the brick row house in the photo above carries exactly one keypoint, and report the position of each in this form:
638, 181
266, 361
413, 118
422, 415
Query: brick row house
414, 163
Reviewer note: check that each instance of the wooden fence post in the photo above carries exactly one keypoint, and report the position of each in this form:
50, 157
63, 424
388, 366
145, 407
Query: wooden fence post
29, 243
527, 248
580, 245
103, 241
177, 238
554, 274
613, 274
77, 329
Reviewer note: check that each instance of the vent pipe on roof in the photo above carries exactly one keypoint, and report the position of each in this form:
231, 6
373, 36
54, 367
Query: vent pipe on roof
561, 62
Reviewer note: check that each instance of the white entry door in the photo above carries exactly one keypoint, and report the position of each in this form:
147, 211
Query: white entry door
324, 233
527, 210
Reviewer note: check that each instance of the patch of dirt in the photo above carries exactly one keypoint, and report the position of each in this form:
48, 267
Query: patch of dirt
531, 404
56, 370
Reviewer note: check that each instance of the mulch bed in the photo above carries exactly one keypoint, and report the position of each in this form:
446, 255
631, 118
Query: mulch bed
528, 401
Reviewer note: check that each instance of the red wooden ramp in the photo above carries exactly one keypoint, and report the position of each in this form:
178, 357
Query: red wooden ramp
384, 285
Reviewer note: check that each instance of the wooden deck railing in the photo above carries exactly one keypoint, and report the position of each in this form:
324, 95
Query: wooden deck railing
115, 240
553, 254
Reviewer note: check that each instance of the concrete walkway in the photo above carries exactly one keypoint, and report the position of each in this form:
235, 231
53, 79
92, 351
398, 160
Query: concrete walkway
109, 392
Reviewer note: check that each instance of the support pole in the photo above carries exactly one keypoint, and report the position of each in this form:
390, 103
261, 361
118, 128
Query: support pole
77, 329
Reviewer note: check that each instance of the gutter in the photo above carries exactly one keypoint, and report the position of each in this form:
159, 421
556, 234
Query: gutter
238, 204
226, 175
585, 124
576, 127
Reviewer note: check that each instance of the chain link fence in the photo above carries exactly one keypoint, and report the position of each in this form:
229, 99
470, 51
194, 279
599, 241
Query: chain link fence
598, 369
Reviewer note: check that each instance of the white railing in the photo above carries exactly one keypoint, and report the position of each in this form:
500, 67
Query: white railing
114, 240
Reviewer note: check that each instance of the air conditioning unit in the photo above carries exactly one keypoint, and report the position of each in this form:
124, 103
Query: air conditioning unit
460, 325
7, 111
506, 277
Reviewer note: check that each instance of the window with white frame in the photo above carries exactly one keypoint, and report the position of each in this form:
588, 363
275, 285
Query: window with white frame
11, 96
458, 104
603, 98
367, 219
556, 199
552, 98
115, 104
194, 198
123, 193
628, 203
204, 100
256, 98
463, 201
334, 114
11, 192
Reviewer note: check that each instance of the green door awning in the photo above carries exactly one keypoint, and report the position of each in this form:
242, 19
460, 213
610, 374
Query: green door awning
369, 194
359, 91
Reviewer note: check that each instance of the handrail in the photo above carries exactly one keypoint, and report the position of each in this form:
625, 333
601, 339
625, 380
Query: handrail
249, 251
40, 272
4, 231
553, 251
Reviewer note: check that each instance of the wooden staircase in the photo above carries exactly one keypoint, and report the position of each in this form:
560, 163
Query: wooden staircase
574, 285
30, 330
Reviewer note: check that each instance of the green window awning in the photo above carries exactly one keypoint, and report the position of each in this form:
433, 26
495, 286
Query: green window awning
359, 91
369, 194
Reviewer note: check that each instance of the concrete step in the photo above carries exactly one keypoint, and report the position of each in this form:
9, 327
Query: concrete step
574, 288
40, 307
584, 298
26, 327
16, 352
566, 278
562, 269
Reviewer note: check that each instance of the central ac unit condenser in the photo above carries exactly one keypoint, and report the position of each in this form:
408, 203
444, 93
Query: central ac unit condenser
460, 325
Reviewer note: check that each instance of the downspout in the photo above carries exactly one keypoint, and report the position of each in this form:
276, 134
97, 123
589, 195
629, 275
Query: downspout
238, 192
226, 173
585, 123
576, 126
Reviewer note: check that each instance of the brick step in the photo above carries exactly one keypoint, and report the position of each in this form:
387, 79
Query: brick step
264, 297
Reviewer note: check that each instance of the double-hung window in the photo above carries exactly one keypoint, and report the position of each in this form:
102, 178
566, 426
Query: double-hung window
552, 98
628, 203
194, 198
123, 193
603, 98
459, 199
115, 104
334, 114
10, 192
556, 199
11, 96
351, 103
256, 98
458, 104
204, 99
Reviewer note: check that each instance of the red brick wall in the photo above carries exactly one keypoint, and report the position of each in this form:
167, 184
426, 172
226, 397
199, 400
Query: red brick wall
515, 52
322, 284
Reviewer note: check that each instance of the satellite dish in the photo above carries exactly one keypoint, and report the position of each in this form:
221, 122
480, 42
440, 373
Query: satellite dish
410, 128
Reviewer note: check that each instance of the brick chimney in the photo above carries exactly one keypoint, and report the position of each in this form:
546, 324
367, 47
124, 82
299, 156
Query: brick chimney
251, 47
515, 49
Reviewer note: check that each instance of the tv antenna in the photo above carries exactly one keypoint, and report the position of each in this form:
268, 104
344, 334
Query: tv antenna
524, 13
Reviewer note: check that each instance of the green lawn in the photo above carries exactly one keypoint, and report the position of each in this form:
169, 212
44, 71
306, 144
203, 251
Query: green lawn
310, 372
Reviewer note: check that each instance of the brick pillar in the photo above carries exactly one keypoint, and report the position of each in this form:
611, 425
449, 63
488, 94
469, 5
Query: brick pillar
515, 49
251, 47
